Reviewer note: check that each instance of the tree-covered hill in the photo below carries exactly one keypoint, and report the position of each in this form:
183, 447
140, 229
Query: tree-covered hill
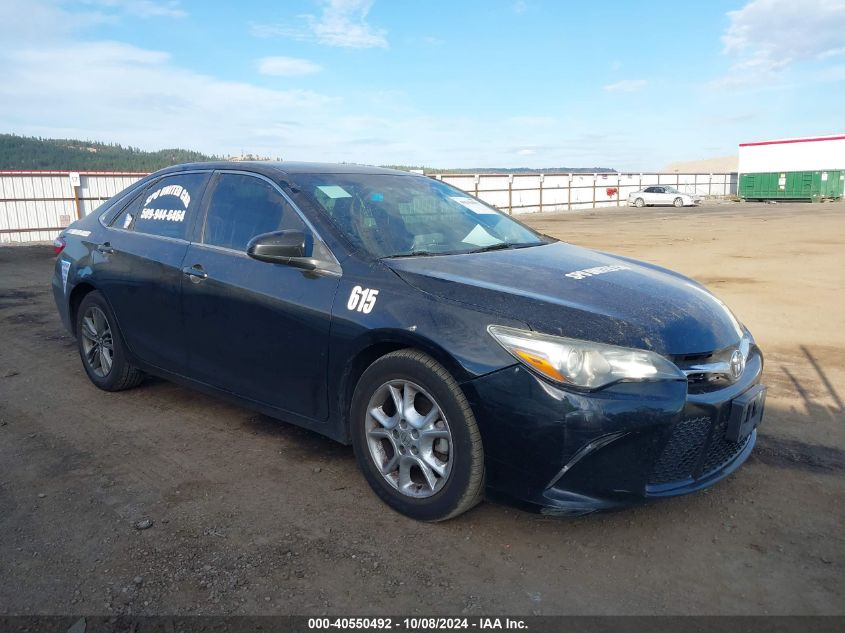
28, 152
24, 152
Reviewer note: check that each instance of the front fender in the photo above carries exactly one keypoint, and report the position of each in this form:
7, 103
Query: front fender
402, 316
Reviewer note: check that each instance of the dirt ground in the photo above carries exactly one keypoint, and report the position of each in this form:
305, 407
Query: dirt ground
254, 516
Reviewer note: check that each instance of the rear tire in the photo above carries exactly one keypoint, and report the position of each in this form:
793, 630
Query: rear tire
639, 202
679, 202
415, 437
101, 348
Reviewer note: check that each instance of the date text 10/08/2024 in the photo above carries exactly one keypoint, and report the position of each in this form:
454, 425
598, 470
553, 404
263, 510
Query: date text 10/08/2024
417, 623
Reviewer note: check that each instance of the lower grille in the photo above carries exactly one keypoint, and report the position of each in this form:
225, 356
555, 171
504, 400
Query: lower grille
689, 454
681, 455
721, 451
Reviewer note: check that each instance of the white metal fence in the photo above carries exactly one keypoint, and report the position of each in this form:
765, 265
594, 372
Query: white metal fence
534, 193
36, 205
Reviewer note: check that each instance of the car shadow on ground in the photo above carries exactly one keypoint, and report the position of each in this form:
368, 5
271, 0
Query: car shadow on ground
771, 451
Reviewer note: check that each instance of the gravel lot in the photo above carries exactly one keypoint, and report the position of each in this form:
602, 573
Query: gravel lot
253, 516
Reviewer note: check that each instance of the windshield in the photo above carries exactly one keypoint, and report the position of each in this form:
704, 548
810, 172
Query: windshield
394, 215
671, 189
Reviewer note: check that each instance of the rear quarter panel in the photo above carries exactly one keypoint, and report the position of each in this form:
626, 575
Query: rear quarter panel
73, 264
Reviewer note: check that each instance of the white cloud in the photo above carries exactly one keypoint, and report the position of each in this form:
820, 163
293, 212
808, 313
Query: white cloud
766, 37
342, 23
533, 121
143, 8
287, 66
60, 82
42, 21
786, 30
118, 92
520, 7
431, 40
626, 85
63, 87
833, 74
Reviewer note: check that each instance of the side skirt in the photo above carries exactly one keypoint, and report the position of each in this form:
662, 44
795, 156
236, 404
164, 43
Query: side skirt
330, 428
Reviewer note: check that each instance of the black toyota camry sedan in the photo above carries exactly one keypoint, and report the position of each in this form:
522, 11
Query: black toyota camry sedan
459, 352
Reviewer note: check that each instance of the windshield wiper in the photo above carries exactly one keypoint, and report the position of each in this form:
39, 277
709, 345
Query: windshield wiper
504, 245
492, 247
412, 254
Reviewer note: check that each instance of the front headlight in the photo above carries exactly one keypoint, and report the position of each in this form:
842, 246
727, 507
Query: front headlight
582, 363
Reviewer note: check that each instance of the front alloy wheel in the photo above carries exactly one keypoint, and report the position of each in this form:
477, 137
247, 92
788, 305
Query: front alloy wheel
415, 437
409, 438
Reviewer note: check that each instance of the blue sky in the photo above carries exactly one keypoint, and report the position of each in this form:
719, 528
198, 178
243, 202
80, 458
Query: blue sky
529, 83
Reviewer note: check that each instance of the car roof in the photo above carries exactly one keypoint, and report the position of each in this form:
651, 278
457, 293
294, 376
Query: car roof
269, 168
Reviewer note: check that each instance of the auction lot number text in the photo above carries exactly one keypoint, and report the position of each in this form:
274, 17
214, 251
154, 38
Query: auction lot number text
416, 624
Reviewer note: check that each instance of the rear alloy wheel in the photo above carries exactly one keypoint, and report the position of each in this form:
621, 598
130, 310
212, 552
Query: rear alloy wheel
639, 202
101, 346
415, 437
679, 202
97, 342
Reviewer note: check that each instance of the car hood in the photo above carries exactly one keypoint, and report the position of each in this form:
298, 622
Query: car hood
570, 291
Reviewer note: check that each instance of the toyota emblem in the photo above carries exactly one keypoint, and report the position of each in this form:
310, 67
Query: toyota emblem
737, 364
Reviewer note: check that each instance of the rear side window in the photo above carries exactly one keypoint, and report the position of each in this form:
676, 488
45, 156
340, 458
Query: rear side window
244, 206
117, 203
125, 218
165, 208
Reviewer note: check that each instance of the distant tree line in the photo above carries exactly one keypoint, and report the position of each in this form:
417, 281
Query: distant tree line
25, 152
30, 152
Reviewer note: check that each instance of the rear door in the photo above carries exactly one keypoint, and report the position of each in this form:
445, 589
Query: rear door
658, 195
259, 330
138, 268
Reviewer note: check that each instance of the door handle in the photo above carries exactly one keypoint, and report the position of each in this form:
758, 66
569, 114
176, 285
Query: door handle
195, 273
105, 248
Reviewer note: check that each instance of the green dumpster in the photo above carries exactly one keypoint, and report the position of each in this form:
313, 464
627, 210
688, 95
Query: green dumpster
793, 185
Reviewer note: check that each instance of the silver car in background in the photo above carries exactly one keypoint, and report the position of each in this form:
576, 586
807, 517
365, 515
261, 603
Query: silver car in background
662, 195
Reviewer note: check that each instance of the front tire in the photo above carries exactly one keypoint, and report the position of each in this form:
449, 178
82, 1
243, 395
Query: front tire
101, 346
415, 437
679, 202
639, 202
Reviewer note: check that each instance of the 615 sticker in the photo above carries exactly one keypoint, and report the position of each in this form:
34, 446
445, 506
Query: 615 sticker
362, 299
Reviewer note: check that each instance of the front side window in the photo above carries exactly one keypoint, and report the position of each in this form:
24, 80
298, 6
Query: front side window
244, 206
165, 207
394, 215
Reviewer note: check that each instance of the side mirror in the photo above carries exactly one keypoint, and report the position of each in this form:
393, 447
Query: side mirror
292, 248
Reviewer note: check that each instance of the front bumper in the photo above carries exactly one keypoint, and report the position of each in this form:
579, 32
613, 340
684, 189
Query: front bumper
560, 452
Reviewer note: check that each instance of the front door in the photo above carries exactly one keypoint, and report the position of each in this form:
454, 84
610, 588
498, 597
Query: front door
256, 329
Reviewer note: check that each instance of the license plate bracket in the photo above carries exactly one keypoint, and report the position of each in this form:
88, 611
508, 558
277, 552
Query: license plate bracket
746, 413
